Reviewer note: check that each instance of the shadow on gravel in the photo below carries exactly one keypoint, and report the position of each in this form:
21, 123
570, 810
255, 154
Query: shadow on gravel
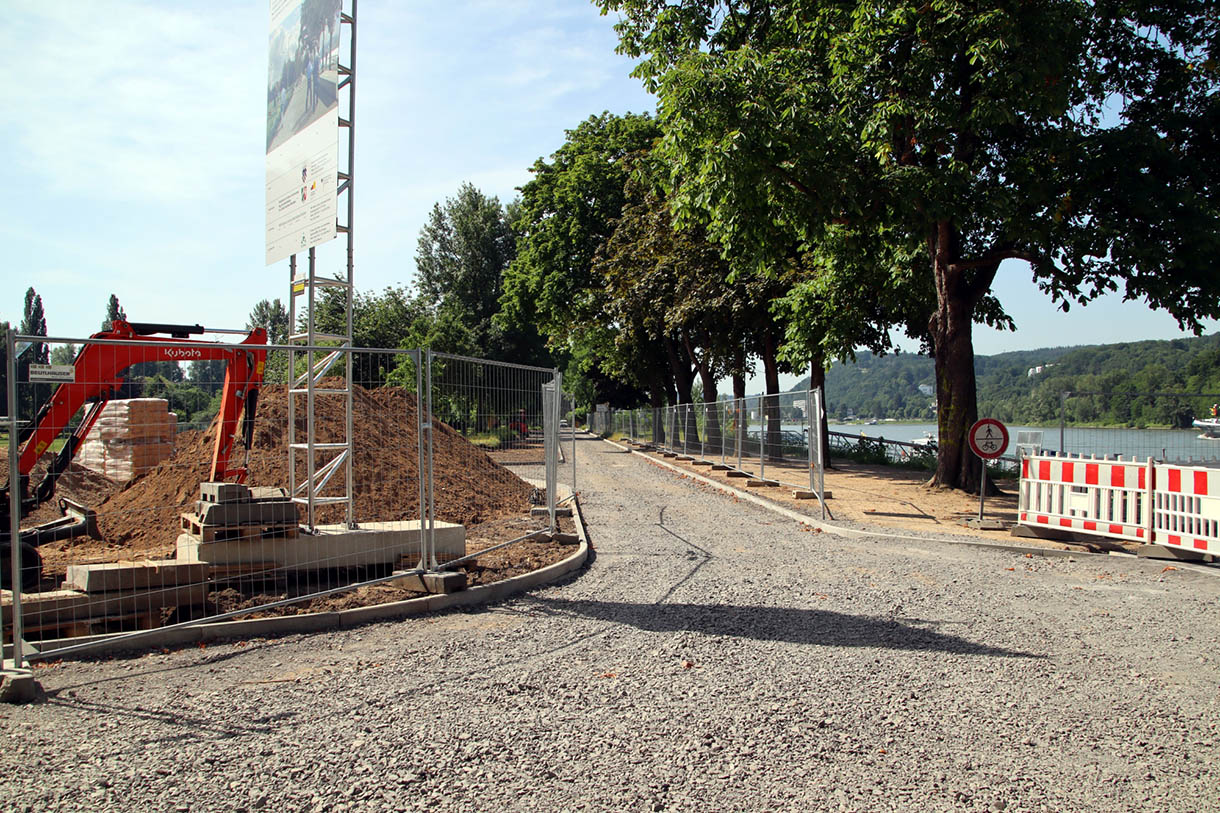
818, 627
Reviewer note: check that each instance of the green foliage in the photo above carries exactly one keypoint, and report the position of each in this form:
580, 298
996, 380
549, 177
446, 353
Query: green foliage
567, 212
63, 353
31, 396
1078, 137
463, 252
113, 311
272, 317
1123, 376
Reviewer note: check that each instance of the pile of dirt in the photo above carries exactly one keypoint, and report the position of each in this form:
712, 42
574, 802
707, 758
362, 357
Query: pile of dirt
143, 515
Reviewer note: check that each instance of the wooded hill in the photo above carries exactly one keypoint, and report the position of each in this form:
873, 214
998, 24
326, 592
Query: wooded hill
889, 386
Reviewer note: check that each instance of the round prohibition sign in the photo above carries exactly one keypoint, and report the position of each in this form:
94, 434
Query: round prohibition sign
988, 438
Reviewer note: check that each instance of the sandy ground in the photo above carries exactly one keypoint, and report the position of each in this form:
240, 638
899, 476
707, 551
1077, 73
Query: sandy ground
884, 497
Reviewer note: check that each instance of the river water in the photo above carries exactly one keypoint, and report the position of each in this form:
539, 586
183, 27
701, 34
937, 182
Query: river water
1178, 445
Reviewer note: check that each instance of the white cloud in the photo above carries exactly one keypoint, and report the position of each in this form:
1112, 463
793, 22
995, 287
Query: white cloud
131, 101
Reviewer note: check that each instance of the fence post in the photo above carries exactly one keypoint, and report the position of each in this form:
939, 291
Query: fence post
821, 454
741, 428
431, 533
810, 416
422, 421
572, 426
762, 438
686, 430
1063, 397
704, 437
14, 498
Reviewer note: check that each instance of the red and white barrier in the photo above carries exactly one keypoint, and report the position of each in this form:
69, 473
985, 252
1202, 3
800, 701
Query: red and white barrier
1187, 508
1104, 497
1172, 504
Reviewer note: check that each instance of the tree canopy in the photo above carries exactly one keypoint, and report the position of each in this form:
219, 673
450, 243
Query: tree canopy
948, 137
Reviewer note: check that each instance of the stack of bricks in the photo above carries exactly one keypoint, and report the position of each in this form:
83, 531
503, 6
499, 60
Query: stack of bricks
130, 437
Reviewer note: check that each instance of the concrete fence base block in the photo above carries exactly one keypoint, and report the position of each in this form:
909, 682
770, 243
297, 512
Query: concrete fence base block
703, 463
441, 582
987, 524
18, 686
721, 467
1163, 552
740, 474
761, 484
805, 494
542, 512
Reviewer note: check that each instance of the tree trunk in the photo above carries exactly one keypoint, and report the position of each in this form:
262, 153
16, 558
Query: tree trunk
951, 331
711, 418
817, 382
684, 382
656, 400
770, 401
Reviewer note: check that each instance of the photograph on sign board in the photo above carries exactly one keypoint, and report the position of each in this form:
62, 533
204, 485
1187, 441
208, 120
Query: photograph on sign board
302, 126
303, 69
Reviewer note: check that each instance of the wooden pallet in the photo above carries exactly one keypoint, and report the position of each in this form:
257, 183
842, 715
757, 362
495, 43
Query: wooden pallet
229, 533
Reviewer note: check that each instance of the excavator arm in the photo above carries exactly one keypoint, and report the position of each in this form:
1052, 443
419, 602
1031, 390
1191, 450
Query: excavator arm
97, 378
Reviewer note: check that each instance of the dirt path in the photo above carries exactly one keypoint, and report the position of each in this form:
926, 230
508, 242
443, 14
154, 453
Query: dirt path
712, 656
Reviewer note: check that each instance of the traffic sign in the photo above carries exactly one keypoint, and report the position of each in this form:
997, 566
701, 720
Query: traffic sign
988, 438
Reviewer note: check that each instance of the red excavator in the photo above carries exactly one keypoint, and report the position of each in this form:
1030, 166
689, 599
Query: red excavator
97, 377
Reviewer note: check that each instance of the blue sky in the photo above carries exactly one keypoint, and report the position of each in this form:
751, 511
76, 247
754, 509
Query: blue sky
134, 132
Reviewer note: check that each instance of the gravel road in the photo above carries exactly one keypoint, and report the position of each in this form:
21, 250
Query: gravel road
713, 656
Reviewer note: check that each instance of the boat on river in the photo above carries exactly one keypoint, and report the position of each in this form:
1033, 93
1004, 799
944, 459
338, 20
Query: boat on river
1210, 427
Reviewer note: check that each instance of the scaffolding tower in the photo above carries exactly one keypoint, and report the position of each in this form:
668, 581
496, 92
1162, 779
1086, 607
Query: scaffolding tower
322, 462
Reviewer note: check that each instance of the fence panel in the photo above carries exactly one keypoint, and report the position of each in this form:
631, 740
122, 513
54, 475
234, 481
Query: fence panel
1186, 513
179, 486
1088, 495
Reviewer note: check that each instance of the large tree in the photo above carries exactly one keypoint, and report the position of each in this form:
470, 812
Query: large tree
33, 323
113, 311
1080, 137
568, 211
463, 251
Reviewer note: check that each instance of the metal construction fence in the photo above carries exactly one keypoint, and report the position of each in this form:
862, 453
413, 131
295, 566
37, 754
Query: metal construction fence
765, 437
160, 481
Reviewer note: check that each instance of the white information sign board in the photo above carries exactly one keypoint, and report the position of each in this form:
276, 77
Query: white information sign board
62, 373
302, 125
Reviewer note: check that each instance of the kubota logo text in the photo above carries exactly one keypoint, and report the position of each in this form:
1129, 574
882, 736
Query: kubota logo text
183, 353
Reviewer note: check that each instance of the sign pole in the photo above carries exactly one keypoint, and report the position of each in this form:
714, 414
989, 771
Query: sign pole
988, 439
982, 486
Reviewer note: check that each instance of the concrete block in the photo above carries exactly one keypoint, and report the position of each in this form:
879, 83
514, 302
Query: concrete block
670, 455
372, 543
740, 474
268, 493
57, 607
542, 512
1163, 552
684, 458
440, 582
223, 492
114, 576
806, 494
1041, 532
267, 512
761, 484
986, 524
702, 462
18, 686
721, 467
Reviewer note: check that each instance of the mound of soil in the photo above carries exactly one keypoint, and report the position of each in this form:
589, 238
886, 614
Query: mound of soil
469, 487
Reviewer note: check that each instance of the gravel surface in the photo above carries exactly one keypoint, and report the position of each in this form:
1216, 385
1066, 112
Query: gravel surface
713, 656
